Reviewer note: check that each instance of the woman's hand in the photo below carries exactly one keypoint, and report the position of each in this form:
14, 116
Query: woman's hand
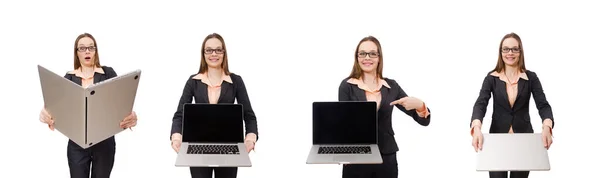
129, 121
250, 141
409, 103
46, 118
547, 137
477, 141
176, 139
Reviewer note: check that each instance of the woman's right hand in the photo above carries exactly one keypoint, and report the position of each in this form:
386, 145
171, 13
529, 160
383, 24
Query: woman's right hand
46, 118
176, 141
477, 139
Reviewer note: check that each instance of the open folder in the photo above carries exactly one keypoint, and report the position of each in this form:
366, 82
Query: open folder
88, 115
513, 152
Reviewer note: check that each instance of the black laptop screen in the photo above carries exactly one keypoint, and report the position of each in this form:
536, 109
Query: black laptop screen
344, 123
213, 123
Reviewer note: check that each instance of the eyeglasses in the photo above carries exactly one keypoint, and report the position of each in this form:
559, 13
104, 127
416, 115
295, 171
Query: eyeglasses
210, 51
83, 48
514, 50
371, 54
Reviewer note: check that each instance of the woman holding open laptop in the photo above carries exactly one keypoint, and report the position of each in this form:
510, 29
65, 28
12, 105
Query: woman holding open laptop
87, 71
512, 86
214, 84
366, 83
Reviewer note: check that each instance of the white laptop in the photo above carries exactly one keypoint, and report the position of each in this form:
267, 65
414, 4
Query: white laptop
513, 152
88, 115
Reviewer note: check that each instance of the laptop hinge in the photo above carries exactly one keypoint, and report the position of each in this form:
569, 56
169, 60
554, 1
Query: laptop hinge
347, 144
86, 121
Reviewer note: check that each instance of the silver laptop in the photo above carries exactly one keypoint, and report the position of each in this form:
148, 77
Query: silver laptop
344, 133
513, 152
88, 115
213, 136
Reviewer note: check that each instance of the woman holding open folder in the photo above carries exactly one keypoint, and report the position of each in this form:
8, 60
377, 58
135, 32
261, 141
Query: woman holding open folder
87, 71
215, 84
512, 86
366, 83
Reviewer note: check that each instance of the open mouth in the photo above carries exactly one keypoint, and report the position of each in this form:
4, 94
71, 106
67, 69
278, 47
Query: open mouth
87, 58
367, 63
213, 59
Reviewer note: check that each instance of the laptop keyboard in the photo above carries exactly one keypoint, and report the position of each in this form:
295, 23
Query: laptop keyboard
213, 149
345, 150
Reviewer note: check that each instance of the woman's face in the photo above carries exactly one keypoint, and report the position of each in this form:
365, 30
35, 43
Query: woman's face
511, 52
86, 50
213, 52
368, 56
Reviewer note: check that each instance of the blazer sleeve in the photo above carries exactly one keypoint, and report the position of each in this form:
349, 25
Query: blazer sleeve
186, 97
412, 113
344, 91
544, 108
242, 98
485, 93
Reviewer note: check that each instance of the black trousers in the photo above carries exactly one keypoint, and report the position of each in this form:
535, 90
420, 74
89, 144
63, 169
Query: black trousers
207, 172
388, 169
513, 174
100, 158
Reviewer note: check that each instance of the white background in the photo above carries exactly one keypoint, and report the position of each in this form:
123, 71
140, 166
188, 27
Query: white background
291, 54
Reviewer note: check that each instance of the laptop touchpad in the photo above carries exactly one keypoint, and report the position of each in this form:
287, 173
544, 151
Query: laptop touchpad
342, 158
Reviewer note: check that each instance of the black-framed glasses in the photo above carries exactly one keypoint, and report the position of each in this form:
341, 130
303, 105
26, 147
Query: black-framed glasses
210, 51
371, 54
83, 48
514, 50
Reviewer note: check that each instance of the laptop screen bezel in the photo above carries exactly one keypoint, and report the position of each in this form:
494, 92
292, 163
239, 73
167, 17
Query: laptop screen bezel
376, 125
189, 105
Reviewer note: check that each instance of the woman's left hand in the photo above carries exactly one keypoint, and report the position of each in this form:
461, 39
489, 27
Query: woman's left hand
129, 121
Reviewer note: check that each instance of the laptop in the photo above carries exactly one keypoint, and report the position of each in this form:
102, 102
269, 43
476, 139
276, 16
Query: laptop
345, 133
88, 115
213, 136
513, 152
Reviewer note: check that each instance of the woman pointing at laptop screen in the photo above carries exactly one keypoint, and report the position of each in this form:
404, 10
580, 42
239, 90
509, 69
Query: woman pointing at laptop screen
366, 83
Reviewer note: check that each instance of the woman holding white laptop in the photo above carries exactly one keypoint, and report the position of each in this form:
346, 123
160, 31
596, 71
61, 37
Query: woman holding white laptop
99, 158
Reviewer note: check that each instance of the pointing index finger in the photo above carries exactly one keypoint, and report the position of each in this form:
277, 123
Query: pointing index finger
400, 101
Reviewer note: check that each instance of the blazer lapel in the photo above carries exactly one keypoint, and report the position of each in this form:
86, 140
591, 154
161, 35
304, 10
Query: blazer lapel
203, 89
359, 93
225, 87
521, 89
78, 80
384, 95
503, 94
97, 77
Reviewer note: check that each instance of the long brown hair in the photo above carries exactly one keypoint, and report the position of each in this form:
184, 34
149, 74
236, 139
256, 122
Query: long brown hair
357, 72
521, 63
76, 62
224, 64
